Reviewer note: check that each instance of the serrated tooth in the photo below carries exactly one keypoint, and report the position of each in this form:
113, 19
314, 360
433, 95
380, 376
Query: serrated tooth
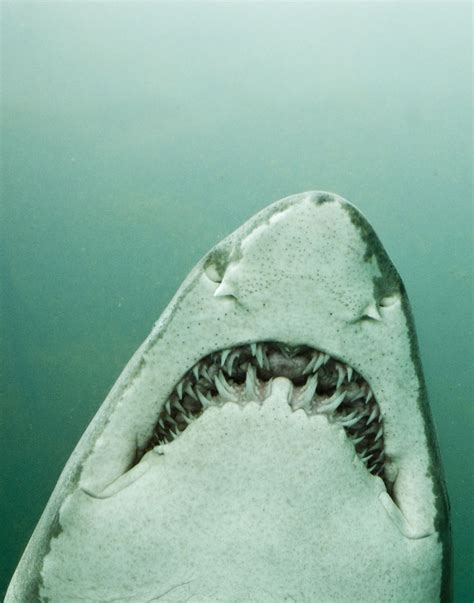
253, 348
307, 393
333, 403
204, 401
373, 414
310, 366
250, 382
189, 390
259, 355
196, 371
224, 388
179, 390
340, 375
224, 355
349, 373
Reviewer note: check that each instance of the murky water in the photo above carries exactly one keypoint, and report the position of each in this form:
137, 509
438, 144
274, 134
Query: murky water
135, 136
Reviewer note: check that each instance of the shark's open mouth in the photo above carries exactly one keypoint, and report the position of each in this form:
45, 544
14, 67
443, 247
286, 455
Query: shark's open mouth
321, 384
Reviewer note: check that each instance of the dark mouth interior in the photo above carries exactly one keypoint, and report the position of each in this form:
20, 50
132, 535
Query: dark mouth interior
321, 384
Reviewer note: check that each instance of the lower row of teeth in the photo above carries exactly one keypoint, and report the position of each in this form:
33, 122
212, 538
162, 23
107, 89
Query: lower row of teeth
321, 385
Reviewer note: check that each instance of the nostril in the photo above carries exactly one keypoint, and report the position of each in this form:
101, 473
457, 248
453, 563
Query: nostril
225, 290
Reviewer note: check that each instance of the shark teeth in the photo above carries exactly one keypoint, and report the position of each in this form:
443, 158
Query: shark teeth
321, 385
251, 383
332, 403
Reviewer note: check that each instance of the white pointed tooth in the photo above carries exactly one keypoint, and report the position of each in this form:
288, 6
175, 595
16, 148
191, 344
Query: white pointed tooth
204, 401
355, 441
266, 362
369, 395
171, 420
349, 373
340, 375
379, 433
350, 420
187, 418
206, 374
250, 382
224, 355
380, 457
196, 371
319, 362
178, 406
189, 390
224, 388
253, 348
259, 355
365, 459
334, 401
179, 390
229, 366
358, 393
373, 414
325, 358
175, 433
310, 366
376, 446
308, 392
168, 407
160, 421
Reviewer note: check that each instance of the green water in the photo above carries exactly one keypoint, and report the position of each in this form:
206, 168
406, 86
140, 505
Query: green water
135, 136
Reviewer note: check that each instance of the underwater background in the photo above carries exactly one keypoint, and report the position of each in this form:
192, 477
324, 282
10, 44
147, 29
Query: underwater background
137, 135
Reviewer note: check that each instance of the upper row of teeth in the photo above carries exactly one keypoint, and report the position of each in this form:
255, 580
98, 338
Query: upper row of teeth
227, 392
227, 357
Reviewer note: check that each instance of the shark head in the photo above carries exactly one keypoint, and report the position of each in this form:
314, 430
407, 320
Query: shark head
270, 440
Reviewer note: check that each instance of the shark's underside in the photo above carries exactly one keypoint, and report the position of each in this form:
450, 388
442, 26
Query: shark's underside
269, 441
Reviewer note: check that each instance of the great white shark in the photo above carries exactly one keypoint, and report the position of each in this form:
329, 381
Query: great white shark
270, 440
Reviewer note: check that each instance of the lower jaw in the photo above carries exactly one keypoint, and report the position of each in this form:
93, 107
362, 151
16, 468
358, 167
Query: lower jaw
251, 502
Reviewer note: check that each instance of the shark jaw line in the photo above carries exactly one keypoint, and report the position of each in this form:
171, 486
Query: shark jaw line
321, 385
